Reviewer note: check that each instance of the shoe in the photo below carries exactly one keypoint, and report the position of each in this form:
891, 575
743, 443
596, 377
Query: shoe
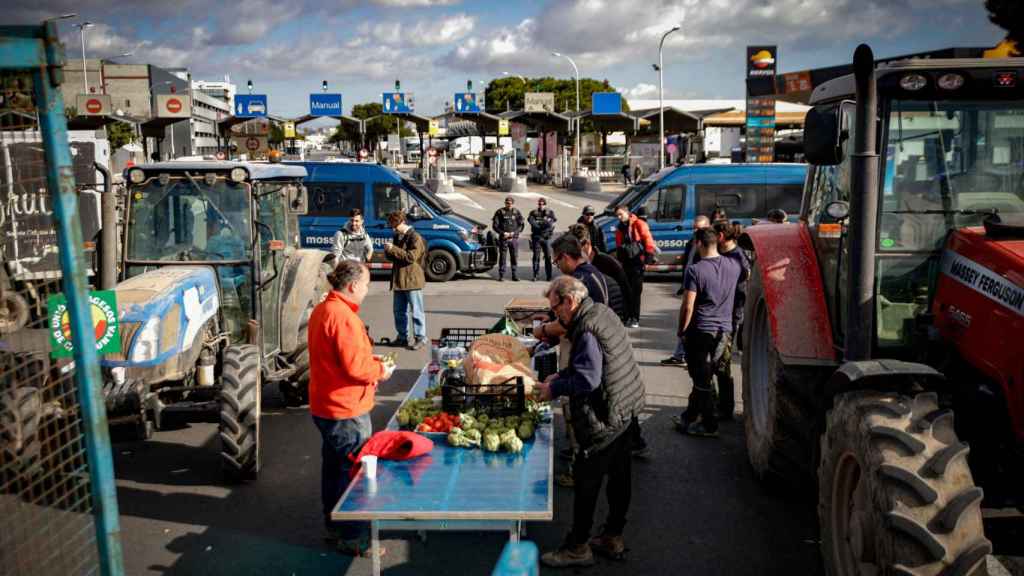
417, 344
400, 343
534, 278
501, 278
641, 451
613, 547
565, 557
515, 278
565, 480
634, 323
359, 549
699, 429
673, 361
681, 423
566, 454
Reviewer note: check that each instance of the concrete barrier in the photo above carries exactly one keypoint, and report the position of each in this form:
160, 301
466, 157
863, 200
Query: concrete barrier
513, 184
584, 184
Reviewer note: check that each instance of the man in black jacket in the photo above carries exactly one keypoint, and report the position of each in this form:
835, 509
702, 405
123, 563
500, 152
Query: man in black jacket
587, 219
542, 226
508, 223
606, 391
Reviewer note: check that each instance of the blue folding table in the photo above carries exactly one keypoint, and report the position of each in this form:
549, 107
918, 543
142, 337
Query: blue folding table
453, 488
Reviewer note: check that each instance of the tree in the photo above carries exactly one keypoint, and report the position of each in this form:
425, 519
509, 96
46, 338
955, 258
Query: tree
509, 93
120, 134
1008, 15
380, 126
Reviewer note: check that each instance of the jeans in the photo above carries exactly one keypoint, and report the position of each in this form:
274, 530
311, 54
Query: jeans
615, 462
402, 301
680, 351
541, 246
341, 438
709, 356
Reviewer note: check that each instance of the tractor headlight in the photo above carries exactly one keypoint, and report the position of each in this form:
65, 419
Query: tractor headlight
137, 176
147, 342
913, 82
238, 174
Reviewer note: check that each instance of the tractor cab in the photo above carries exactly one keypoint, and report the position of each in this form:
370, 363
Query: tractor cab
238, 219
951, 147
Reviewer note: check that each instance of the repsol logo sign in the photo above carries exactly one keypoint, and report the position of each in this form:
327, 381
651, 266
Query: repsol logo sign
985, 281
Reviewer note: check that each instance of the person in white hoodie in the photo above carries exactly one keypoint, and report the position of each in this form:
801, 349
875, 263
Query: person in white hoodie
352, 242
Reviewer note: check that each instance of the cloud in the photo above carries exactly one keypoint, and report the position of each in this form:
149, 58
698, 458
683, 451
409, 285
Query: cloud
641, 90
416, 3
426, 32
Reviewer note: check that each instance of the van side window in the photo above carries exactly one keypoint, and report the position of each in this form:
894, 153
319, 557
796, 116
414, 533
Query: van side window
335, 198
784, 196
388, 198
666, 204
738, 200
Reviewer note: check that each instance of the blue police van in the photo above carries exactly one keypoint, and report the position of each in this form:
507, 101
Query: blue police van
674, 196
455, 243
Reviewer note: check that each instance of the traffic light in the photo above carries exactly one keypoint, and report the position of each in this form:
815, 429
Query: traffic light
324, 86
398, 85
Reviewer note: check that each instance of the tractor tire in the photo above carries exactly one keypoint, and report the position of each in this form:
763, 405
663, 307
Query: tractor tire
20, 415
240, 412
441, 265
778, 406
295, 390
896, 494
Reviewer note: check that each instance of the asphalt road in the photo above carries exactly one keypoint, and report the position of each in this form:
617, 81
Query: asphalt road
696, 508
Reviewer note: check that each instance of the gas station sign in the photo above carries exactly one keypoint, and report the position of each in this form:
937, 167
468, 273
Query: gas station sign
762, 62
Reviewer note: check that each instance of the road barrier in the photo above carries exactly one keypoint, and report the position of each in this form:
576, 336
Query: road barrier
58, 505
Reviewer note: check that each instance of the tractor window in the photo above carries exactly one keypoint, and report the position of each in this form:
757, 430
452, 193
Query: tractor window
947, 165
784, 196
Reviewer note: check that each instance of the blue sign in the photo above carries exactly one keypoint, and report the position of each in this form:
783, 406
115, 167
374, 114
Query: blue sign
396, 103
325, 104
466, 102
251, 105
606, 103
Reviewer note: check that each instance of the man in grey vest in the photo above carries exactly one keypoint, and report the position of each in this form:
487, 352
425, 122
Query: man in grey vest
605, 391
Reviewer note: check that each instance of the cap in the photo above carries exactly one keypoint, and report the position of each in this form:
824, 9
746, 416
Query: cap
641, 212
588, 209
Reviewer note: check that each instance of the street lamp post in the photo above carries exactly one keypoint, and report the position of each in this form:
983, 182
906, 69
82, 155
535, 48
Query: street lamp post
661, 99
85, 73
577, 70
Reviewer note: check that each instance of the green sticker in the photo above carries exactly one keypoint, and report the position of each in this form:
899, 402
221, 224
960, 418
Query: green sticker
102, 310
888, 242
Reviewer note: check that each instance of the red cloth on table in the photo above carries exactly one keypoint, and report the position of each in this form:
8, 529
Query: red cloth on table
392, 445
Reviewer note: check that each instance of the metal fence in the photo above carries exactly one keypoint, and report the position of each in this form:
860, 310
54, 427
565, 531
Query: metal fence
58, 510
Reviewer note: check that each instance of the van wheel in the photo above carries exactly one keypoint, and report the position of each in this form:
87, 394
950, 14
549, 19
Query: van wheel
441, 265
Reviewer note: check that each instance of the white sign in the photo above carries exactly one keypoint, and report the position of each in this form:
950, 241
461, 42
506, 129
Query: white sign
93, 104
172, 106
984, 281
539, 102
394, 143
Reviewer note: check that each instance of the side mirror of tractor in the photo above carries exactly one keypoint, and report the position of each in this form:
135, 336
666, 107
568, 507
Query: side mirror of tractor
298, 199
823, 136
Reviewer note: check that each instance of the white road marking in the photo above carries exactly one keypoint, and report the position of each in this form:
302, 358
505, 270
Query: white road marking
461, 198
548, 198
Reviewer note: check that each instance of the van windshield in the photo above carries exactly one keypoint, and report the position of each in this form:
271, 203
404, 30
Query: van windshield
631, 194
436, 203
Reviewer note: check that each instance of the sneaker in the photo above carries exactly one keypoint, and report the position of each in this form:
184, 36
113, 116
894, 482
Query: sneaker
566, 557
613, 547
501, 278
400, 343
515, 278
673, 361
699, 429
681, 423
417, 344
634, 323
565, 480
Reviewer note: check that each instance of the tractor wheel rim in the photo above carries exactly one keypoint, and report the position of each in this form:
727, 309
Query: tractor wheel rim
851, 533
439, 266
760, 378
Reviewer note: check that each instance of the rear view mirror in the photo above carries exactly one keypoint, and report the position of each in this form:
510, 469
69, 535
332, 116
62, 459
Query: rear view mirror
298, 199
823, 136
414, 212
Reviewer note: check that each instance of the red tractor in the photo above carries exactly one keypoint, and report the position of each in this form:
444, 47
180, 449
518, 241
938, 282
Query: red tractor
895, 302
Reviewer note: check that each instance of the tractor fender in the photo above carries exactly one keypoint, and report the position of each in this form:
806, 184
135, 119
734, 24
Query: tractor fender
793, 291
300, 285
883, 375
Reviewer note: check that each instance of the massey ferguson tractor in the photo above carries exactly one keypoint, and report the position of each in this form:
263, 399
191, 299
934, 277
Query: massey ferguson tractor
884, 337
214, 299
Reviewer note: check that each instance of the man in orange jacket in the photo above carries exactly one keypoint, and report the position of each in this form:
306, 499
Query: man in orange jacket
635, 249
343, 377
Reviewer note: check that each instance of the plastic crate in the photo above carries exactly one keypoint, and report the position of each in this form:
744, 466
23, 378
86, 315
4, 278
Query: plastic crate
504, 399
452, 337
545, 363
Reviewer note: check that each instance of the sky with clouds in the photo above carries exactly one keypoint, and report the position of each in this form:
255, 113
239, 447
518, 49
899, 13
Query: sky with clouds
287, 47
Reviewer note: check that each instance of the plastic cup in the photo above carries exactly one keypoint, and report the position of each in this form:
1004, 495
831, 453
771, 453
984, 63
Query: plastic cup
369, 465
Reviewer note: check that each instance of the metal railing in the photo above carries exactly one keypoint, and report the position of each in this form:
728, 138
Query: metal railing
58, 506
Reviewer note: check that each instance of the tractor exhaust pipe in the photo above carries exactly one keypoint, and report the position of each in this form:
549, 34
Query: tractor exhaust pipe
108, 232
860, 307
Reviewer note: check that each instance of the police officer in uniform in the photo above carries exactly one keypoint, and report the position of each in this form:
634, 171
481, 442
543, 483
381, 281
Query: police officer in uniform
542, 226
508, 223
